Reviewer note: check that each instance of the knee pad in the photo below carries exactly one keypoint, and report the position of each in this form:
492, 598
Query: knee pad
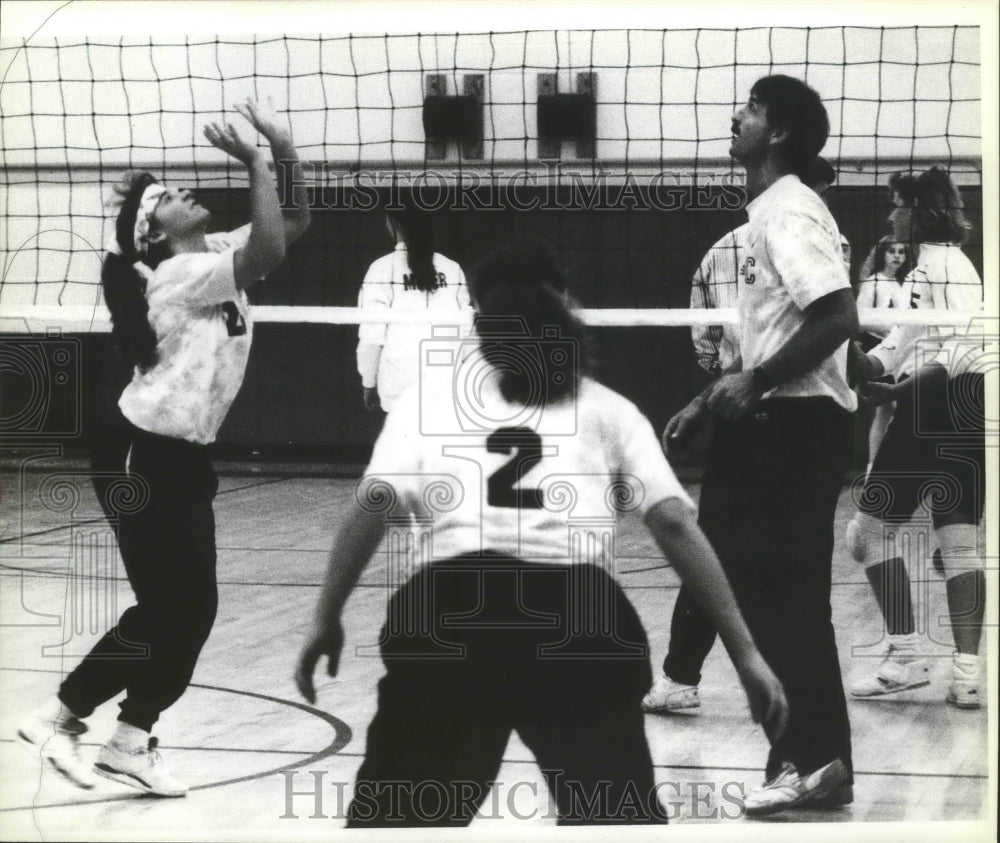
959, 549
868, 540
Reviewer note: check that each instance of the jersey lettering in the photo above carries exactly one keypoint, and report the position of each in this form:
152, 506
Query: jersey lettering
750, 276
914, 300
235, 324
408, 284
500, 486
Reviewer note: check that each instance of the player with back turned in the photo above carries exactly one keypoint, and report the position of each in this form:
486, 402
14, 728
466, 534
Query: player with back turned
782, 441
510, 624
933, 452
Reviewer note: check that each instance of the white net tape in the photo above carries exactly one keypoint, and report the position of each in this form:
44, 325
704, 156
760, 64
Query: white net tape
46, 318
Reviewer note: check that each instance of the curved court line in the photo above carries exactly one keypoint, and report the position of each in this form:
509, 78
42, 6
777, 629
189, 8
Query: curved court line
342, 737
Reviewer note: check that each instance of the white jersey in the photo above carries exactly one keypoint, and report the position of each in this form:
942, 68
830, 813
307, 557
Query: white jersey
539, 485
943, 279
387, 286
879, 291
715, 284
203, 333
793, 259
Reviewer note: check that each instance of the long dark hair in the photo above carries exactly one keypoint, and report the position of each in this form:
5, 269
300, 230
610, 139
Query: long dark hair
526, 328
124, 287
417, 230
938, 212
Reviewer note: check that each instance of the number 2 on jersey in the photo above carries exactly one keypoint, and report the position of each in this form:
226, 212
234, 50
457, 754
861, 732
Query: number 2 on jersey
527, 448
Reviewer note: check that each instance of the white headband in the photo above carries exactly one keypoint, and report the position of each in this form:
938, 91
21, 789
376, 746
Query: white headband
150, 197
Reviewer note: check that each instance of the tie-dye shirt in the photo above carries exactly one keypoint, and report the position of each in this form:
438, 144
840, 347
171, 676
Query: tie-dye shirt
203, 330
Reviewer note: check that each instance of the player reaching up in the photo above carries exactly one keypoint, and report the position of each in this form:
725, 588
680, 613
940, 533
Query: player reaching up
179, 311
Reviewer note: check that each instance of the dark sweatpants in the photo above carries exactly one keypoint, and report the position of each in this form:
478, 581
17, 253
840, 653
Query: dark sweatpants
476, 648
167, 542
768, 501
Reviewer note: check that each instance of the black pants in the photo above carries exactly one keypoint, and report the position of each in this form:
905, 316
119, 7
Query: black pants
692, 635
768, 501
167, 542
933, 453
477, 647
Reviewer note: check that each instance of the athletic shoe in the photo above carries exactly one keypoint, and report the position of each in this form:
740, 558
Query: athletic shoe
837, 798
667, 697
58, 744
897, 673
788, 789
142, 768
965, 681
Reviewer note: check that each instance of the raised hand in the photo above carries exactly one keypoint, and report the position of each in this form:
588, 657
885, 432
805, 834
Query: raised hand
226, 138
265, 120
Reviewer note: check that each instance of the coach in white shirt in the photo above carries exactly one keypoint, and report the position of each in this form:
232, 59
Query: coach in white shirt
782, 444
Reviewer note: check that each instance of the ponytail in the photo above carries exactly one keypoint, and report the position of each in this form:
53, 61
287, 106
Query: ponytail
123, 284
527, 331
418, 235
125, 296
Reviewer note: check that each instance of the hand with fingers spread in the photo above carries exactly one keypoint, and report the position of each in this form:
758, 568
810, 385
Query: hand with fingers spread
768, 704
226, 138
322, 641
262, 116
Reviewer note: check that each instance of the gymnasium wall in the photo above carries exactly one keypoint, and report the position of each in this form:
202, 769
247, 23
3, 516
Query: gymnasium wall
302, 397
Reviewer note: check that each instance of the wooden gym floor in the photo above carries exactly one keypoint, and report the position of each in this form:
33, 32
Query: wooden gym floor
254, 752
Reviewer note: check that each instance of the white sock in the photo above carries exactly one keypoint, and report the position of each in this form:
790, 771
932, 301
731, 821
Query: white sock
967, 662
129, 737
904, 645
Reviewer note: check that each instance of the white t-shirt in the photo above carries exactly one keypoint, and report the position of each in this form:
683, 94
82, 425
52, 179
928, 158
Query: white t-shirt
387, 286
793, 259
881, 291
203, 333
573, 466
943, 279
715, 284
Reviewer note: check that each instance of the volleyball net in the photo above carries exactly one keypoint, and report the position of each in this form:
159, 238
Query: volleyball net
611, 144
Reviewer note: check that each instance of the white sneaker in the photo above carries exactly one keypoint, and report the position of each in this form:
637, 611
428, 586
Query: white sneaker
142, 768
790, 790
897, 672
965, 681
667, 696
57, 742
